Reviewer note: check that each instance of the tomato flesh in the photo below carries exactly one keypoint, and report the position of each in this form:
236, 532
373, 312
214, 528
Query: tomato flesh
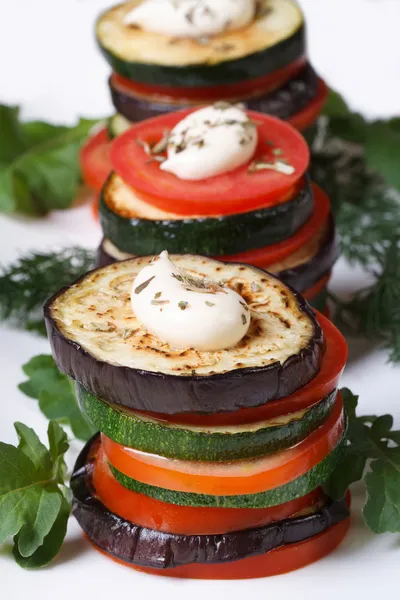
95, 160
186, 520
236, 478
201, 95
228, 193
277, 562
316, 289
263, 257
333, 364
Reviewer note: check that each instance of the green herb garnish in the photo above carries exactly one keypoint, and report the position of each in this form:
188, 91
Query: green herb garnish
143, 285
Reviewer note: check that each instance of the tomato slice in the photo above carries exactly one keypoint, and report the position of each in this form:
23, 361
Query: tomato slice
235, 478
201, 95
277, 562
307, 117
263, 257
333, 364
232, 192
95, 160
186, 520
316, 289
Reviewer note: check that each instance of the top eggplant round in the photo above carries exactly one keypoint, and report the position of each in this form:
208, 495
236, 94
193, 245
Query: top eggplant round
136, 227
97, 340
275, 39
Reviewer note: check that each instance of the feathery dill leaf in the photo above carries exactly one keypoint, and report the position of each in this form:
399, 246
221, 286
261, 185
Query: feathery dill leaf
26, 284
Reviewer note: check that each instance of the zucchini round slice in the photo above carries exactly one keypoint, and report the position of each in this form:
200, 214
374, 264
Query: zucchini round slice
97, 340
150, 548
285, 493
139, 228
272, 41
284, 102
197, 443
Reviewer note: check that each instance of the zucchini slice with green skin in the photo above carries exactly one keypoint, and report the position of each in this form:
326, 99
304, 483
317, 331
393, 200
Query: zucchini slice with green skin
135, 226
151, 548
272, 41
295, 489
195, 443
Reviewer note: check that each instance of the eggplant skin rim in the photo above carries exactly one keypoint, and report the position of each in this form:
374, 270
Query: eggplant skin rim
150, 548
170, 394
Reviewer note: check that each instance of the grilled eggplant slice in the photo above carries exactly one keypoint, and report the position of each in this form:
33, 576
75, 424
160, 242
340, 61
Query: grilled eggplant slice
139, 228
218, 443
150, 548
283, 102
97, 340
275, 39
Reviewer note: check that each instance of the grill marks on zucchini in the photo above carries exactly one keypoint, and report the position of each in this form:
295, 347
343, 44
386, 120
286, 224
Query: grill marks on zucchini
197, 443
271, 42
136, 227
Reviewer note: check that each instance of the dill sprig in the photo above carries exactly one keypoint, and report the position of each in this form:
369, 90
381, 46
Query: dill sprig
367, 210
26, 284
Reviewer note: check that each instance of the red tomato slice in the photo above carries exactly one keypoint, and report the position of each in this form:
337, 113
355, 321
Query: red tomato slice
235, 478
307, 117
333, 364
316, 289
95, 160
202, 95
263, 257
186, 520
277, 562
95, 207
228, 193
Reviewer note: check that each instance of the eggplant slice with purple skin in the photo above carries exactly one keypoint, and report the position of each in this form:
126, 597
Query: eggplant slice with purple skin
298, 276
283, 103
144, 547
281, 353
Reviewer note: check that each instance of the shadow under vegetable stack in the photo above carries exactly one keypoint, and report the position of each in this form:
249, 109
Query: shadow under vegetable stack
262, 64
267, 212
209, 463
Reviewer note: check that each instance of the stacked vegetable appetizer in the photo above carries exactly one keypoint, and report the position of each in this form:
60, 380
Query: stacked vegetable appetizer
223, 182
172, 54
214, 387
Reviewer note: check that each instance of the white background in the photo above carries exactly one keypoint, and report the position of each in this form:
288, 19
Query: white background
50, 64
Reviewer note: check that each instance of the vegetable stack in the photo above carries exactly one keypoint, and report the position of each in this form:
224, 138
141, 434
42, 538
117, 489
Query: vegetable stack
172, 54
211, 457
266, 212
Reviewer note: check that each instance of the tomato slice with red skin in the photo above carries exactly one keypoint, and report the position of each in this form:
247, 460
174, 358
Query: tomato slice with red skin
333, 364
95, 160
235, 478
316, 289
186, 520
228, 193
263, 257
201, 95
303, 119
277, 562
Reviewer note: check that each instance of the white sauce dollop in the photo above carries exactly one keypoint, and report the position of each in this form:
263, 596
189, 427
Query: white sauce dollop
191, 18
210, 141
188, 312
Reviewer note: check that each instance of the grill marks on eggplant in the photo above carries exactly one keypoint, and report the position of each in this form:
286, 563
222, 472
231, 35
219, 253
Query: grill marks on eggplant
97, 340
139, 228
270, 42
150, 548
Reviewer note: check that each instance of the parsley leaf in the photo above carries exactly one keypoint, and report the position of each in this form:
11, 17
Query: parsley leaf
39, 163
372, 439
56, 395
33, 507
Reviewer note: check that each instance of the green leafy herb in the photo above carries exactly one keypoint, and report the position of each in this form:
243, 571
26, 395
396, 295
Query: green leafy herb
26, 284
39, 163
56, 395
350, 161
371, 438
34, 506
